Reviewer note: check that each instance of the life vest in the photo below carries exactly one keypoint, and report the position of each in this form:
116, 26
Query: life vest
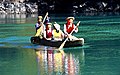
39, 32
69, 27
37, 26
48, 32
57, 35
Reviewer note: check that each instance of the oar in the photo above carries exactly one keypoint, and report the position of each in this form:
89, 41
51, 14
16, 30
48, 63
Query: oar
43, 23
45, 17
62, 45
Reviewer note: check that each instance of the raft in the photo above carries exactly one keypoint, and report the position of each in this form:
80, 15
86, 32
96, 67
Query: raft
54, 43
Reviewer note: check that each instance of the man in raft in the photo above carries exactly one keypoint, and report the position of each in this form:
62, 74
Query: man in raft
69, 27
39, 27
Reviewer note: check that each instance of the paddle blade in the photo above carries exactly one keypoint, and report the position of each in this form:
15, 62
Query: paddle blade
62, 45
45, 17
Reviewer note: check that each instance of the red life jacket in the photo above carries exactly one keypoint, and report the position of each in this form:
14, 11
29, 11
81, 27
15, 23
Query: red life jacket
48, 33
69, 28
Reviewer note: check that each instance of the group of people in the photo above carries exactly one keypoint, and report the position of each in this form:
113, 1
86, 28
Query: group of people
53, 32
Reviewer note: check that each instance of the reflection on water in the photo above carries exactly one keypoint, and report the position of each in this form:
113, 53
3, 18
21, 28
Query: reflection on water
54, 62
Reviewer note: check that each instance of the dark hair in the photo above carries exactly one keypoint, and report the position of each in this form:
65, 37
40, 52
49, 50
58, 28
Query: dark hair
57, 31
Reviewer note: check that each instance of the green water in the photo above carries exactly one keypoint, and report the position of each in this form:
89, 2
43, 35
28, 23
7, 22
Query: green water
99, 56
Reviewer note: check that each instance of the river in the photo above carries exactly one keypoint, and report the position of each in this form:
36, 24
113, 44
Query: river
99, 56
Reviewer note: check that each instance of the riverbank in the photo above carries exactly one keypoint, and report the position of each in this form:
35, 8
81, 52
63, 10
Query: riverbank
8, 7
61, 6
18, 18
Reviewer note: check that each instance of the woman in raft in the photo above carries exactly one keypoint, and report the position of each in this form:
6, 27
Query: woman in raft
57, 32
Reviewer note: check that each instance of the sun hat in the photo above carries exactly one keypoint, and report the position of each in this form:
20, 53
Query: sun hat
70, 18
57, 26
39, 17
48, 23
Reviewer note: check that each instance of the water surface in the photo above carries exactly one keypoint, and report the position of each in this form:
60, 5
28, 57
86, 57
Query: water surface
99, 56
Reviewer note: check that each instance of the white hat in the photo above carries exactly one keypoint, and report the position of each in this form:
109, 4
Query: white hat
39, 17
57, 26
70, 18
49, 23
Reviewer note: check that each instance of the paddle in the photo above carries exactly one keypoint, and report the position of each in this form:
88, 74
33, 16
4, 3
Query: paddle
45, 17
44, 25
62, 45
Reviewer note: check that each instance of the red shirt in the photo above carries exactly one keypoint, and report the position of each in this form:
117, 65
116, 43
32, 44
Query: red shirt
48, 32
69, 27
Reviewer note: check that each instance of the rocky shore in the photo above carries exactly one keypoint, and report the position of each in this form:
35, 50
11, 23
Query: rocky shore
60, 6
79, 6
8, 7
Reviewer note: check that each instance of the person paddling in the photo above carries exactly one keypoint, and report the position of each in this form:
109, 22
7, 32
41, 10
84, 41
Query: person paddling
39, 27
48, 31
47, 26
39, 22
69, 26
